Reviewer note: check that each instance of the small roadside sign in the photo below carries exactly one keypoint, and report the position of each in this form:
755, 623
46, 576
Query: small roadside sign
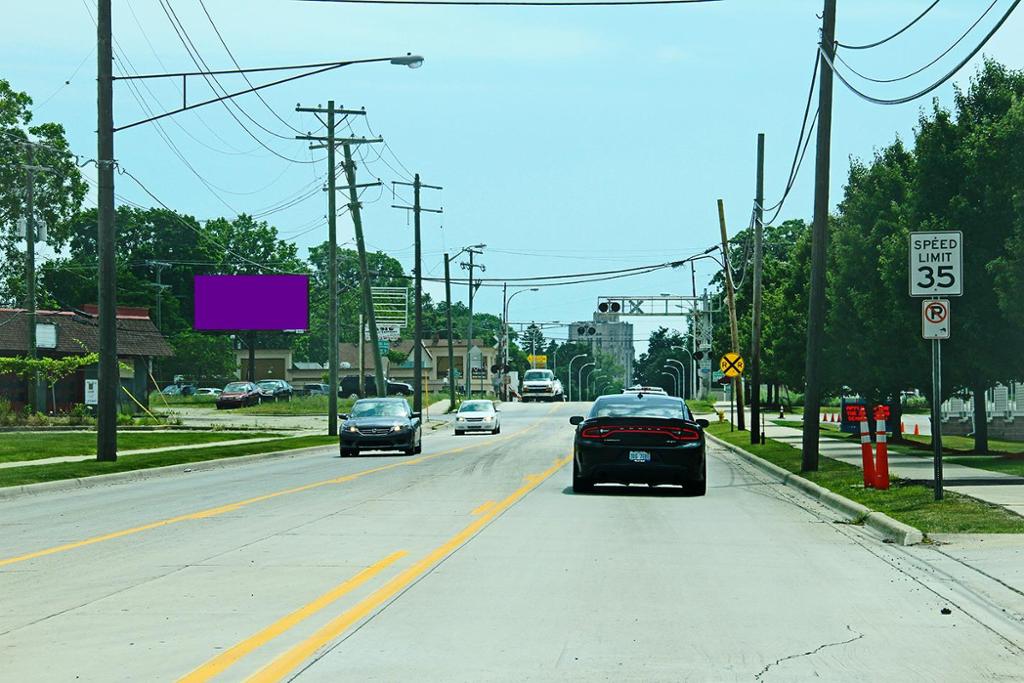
731, 364
935, 319
385, 332
92, 392
383, 345
936, 263
537, 360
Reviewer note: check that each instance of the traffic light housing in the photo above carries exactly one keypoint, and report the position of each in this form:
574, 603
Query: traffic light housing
609, 307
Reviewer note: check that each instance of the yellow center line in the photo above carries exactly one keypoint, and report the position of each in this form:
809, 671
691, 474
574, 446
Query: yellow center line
231, 507
290, 660
223, 661
482, 508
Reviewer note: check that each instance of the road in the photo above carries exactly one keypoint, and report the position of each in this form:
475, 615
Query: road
474, 562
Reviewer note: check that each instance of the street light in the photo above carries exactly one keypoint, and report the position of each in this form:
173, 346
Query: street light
593, 376
672, 375
678, 379
693, 363
504, 311
579, 379
574, 359
682, 370
409, 59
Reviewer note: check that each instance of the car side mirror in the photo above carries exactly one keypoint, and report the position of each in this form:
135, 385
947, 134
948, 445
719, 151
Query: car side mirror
575, 420
343, 416
702, 423
417, 415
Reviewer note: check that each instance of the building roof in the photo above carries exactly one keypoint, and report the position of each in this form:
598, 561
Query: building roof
79, 333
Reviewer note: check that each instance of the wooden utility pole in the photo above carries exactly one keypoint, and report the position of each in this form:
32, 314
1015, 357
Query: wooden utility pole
417, 354
106, 241
819, 237
755, 327
451, 347
737, 382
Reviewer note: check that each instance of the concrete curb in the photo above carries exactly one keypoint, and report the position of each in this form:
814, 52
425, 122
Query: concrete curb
889, 528
13, 492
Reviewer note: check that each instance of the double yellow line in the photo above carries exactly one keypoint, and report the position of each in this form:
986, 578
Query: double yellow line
231, 507
290, 660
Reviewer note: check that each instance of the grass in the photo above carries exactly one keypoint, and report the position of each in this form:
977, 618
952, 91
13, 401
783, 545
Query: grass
17, 446
156, 399
19, 476
701, 405
1009, 464
912, 504
312, 405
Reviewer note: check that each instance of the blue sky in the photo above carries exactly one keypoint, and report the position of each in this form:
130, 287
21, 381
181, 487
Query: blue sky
567, 140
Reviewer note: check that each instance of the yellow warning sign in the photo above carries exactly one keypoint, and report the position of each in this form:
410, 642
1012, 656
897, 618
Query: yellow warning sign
731, 364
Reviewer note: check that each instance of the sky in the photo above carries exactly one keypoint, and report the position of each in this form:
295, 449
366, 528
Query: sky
567, 140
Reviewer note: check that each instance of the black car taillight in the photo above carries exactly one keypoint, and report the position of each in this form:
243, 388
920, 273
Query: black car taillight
676, 433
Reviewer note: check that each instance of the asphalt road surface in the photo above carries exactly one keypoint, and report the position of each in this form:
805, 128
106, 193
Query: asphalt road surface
475, 562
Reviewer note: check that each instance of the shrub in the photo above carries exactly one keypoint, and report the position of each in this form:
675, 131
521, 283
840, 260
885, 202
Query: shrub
37, 420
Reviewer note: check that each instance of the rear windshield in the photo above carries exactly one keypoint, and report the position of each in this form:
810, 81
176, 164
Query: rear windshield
238, 386
537, 375
648, 406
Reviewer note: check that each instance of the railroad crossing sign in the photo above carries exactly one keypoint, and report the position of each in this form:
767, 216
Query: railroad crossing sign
935, 319
731, 364
936, 263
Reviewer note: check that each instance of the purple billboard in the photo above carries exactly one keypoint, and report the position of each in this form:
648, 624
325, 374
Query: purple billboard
251, 302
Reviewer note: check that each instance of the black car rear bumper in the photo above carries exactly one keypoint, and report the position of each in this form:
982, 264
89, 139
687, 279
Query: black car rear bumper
606, 463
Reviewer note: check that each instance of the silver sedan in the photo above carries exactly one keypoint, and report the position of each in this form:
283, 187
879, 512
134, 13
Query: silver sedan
478, 416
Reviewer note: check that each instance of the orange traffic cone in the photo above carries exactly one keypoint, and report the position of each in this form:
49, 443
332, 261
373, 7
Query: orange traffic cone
832, 417
917, 430
903, 427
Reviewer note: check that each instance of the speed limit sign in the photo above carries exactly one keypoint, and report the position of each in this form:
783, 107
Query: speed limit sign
936, 263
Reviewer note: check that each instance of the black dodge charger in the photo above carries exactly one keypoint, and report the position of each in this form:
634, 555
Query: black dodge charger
639, 438
381, 424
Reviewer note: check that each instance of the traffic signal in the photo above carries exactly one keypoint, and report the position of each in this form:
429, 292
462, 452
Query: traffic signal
609, 307
585, 330
698, 355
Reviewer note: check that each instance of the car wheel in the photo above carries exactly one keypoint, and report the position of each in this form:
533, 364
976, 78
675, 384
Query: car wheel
496, 430
459, 432
696, 488
349, 452
580, 484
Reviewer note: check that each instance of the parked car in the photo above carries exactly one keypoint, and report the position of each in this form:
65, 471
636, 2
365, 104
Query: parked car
239, 394
178, 390
275, 390
380, 424
478, 416
639, 439
637, 389
208, 391
316, 389
350, 385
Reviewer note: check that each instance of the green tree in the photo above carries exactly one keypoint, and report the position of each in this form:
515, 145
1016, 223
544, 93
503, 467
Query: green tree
59, 190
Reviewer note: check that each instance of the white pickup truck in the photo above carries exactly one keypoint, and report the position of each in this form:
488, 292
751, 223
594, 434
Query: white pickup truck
541, 385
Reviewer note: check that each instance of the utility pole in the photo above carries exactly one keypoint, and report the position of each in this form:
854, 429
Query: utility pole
504, 340
160, 287
330, 142
451, 345
469, 342
819, 237
694, 327
36, 390
417, 353
755, 328
737, 382
106, 239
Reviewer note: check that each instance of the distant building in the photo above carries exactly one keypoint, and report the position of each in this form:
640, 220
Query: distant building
607, 334
435, 362
63, 333
279, 364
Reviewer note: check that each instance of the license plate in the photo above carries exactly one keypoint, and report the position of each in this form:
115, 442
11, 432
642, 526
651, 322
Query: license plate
639, 456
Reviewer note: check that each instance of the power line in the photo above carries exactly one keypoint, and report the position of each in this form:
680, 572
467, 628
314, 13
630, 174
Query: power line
916, 19
929, 64
521, 3
921, 93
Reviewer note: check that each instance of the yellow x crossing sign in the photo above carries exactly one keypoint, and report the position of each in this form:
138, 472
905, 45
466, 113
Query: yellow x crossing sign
731, 364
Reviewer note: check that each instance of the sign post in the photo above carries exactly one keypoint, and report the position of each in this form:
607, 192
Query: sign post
936, 270
731, 365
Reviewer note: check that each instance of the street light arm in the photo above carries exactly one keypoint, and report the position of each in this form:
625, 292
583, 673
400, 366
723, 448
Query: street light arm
319, 68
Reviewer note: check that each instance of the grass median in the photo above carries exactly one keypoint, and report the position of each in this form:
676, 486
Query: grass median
912, 504
34, 474
19, 446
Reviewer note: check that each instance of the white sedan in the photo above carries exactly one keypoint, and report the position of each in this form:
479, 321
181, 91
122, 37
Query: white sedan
477, 416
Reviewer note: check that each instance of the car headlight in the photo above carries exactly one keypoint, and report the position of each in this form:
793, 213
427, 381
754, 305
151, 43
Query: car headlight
460, 419
352, 428
397, 427
488, 418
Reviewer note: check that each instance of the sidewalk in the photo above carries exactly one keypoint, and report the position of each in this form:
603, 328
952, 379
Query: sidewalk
997, 488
